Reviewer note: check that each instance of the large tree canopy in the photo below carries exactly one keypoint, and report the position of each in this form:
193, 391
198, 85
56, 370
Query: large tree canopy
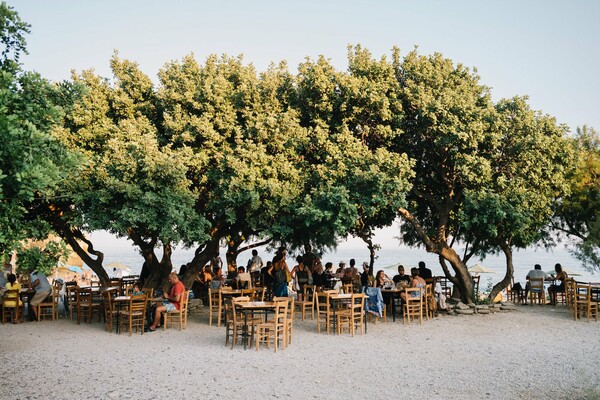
577, 214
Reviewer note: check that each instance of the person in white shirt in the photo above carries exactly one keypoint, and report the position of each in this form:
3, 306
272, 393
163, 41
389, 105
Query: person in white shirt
42, 288
535, 273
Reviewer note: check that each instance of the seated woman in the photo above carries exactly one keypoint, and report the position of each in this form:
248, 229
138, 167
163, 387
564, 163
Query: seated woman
382, 280
12, 300
561, 276
415, 282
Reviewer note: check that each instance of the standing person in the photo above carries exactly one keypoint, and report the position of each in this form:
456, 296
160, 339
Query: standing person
280, 273
535, 273
366, 279
317, 273
424, 272
256, 263
560, 276
267, 279
40, 284
302, 276
341, 271
216, 263
171, 302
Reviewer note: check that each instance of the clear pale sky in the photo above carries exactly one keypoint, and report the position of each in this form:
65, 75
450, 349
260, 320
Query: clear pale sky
549, 50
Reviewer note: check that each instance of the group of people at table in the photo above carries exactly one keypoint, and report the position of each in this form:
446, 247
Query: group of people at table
279, 278
37, 289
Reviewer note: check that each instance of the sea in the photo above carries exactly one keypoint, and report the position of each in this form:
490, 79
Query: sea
391, 254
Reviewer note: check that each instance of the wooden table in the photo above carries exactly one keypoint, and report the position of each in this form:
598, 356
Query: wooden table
254, 306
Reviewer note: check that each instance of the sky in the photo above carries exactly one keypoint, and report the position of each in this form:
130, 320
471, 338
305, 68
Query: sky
546, 49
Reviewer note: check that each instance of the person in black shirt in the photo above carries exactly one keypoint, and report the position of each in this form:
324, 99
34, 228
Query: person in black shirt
424, 272
401, 276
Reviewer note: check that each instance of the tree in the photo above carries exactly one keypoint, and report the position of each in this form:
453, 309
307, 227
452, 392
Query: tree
529, 167
448, 132
33, 163
577, 214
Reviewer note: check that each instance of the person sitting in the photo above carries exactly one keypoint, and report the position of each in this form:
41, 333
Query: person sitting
318, 273
416, 282
12, 284
382, 280
424, 272
341, 271
137, 289
535, 273
40, 284
171, 302
244, 281
401, 277
560, 276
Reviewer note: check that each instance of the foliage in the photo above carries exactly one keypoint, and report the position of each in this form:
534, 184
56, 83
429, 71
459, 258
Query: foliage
41, 258
577, 214
32, 162
12, 37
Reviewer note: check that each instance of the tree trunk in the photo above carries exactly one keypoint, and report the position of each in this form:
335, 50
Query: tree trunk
231, 254
372, 250
510, 270
73, 237
203, 255
462, 279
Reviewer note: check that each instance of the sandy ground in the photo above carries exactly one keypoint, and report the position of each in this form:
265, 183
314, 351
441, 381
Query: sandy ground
532, 353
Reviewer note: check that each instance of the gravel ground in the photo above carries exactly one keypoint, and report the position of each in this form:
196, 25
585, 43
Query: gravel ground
531, 353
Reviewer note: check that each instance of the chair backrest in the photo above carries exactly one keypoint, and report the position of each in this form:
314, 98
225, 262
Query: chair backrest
536, 285
358, 303
308, 293
149, 292
183, 301
259, 293
137, 303
348, 288
10, 296
323, 304
281, 310
414, 294
84, 295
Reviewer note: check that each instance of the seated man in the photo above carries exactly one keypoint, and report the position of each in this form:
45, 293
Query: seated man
401, 277
40, 284
171, 302
535, 273
244, 279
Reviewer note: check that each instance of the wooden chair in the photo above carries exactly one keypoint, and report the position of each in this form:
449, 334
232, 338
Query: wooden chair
12, 307
258, 293
134, 316
476, 285
110, 311
307, 302
353, 316
515, 294
324, 312
70, 300
49, 307
149, 292
430, 305
445, 285
413, 306
570, 292
583, 302
537, 291
86, 305
235, 321
181, 314
215, 306
289, 321
347, 288
274, 330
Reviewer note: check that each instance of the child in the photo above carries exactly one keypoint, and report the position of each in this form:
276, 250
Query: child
12, 300
137, 289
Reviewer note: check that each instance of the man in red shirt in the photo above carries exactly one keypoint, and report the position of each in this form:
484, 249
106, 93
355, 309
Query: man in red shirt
171, 302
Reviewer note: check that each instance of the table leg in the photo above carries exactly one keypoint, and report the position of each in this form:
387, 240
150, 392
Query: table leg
245, 329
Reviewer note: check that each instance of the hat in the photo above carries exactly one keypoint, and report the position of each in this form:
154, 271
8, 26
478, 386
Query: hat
342, 262
365, 264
